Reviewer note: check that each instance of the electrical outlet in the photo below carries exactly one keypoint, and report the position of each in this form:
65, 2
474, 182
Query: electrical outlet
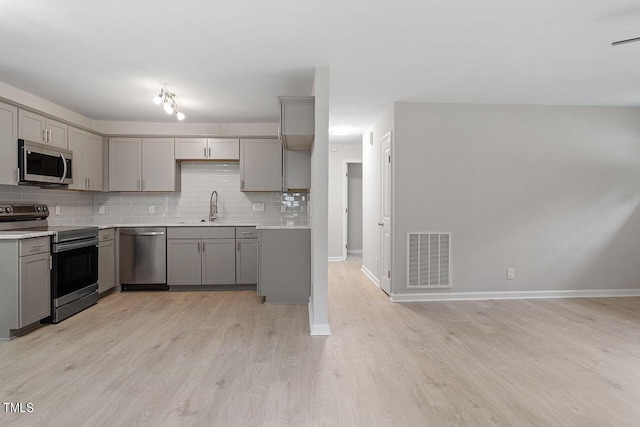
511, 273
57, 209
258, 207
102, 209
152, 209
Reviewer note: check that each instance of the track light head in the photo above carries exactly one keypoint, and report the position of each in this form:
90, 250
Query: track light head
168, 102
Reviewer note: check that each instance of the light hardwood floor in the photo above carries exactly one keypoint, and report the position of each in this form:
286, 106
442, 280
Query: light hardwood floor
225, 359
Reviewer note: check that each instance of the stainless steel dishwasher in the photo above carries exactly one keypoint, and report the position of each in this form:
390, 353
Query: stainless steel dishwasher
143, 258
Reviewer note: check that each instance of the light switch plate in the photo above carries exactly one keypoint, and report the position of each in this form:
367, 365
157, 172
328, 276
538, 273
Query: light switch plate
102, 209
57, 209
258, 207
152, 209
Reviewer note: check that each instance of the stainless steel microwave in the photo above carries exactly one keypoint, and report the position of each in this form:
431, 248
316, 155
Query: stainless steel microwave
42, 164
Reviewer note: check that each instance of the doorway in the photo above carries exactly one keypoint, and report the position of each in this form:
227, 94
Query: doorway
352, 222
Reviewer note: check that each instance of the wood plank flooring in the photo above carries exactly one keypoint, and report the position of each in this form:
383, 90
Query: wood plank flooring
225, 359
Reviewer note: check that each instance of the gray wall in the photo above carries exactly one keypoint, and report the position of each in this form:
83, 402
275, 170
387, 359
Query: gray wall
551, 191
354, 226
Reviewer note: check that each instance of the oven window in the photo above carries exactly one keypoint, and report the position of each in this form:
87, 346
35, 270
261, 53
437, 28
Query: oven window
74, 270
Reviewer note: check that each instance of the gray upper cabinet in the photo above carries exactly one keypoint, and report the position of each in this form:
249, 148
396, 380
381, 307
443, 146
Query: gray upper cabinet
260, 165
77, 144
208, 149
8, 144
224, 149
159, 169
37, 128
57, 133
297, 172
125, 164
94, 161
297, 121
191, 149
143, 164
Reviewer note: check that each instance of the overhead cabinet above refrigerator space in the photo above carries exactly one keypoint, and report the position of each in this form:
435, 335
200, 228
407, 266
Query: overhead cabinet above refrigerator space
297, 121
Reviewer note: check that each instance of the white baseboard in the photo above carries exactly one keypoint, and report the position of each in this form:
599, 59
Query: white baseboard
478, 296
355, 252
335, 259
317, 329
370, 275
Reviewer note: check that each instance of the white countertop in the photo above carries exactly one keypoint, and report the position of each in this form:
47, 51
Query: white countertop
17, 234
208, 224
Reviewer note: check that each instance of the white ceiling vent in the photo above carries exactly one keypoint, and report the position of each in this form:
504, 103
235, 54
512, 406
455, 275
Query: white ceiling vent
428, 260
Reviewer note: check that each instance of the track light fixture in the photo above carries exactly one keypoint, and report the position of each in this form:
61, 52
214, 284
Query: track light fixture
168, 102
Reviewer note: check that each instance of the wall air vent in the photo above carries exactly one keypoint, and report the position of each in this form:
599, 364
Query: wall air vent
428, 260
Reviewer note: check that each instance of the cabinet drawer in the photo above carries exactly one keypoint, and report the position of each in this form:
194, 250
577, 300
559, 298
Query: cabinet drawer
34, 246
106, 234
201, 232
246, 233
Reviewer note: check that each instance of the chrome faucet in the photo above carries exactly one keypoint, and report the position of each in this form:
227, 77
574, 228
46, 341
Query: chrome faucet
213, 207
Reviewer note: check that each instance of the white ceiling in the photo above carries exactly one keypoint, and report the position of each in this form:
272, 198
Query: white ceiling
227, 61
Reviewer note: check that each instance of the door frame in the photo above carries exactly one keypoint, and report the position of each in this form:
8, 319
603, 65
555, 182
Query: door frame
345, 204
389, 136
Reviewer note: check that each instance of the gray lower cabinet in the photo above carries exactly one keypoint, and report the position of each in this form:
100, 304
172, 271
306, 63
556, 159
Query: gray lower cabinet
284, 265
35, 288
218, 262
106, 260
184, 262
25, 291
201, 256
247, 261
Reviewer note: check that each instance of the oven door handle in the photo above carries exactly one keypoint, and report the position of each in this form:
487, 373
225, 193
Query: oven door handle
64, 168
63, 247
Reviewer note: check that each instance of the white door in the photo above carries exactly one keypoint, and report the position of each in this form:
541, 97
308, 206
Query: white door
385, 222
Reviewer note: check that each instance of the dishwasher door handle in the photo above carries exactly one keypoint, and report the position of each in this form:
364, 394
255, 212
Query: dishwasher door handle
149, 233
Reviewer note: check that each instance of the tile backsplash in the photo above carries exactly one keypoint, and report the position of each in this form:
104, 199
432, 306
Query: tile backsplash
199, 179
75, 207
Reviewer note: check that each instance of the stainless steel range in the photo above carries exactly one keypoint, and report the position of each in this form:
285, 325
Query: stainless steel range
74, 272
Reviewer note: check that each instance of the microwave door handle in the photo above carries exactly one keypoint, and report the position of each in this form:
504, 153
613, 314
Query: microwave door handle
64, 168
